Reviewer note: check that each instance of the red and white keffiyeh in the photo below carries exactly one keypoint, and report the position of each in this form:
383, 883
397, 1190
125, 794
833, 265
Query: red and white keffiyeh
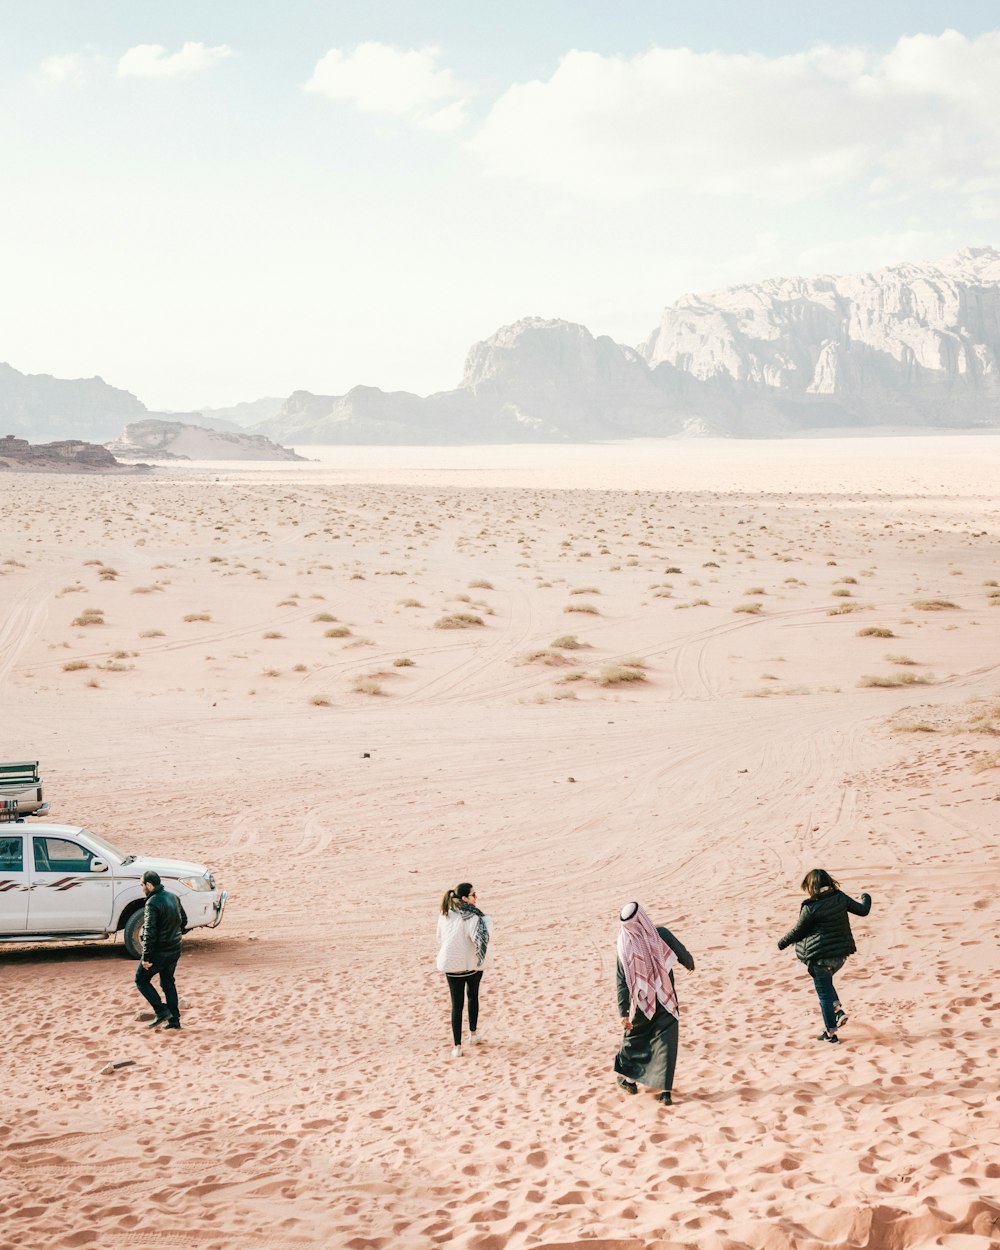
646, 961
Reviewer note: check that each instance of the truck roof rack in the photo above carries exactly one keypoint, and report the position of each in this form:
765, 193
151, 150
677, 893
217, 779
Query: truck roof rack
20, 790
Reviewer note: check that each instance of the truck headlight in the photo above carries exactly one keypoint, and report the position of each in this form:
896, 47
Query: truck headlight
200, 884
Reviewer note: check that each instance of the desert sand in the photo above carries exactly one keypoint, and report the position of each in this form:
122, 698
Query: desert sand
678, 673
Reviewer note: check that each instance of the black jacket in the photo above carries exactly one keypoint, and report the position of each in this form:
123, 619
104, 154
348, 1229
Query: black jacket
823, 929
163, 922
684, 957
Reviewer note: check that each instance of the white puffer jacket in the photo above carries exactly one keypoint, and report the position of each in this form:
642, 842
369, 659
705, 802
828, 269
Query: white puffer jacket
456, 935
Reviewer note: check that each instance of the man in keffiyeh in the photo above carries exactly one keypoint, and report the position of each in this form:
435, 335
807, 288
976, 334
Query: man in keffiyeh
647, 1002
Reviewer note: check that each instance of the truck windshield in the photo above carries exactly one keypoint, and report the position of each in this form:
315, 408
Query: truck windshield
107, 849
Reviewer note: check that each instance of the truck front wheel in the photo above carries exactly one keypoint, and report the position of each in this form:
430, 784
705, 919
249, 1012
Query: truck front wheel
132, 933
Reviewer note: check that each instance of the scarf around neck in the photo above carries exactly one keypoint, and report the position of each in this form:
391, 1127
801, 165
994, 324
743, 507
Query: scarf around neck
481, 939
646, 961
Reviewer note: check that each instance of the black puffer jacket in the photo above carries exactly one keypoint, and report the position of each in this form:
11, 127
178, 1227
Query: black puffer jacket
823, 929
163, 923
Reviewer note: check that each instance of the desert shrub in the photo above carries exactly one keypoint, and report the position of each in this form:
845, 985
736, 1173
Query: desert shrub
848, 581
841, 592
366, 685
896, 679
843, 609
404, 661
912, 727
480, 584
271, 634
767, 692
323, 618
568, 642
458, 620
875, 631
198, 616
932, 605
90, 616
751, 609
319, 700
271, 672
587, 608
671, 569
299, 668
108, 574
755, 590
617, 674
410, 603
338, 631
74, 666
982, 762
900, 659
152, 633
543, 656
585, 590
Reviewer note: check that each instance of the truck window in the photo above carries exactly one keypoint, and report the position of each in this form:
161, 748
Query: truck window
60, 855
11, 855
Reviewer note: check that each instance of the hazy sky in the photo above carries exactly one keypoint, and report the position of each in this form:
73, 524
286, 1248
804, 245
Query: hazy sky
205, 202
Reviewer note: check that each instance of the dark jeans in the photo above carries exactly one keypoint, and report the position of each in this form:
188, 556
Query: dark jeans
458, 986
163, 966
823, 980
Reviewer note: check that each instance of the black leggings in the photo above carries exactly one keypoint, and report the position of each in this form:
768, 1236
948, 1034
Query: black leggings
457, 985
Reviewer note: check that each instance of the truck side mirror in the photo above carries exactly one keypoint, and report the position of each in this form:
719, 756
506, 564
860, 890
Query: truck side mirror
98, 865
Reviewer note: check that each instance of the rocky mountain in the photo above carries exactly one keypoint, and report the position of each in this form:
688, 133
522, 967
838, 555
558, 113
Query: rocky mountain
912, 345
155, 439
41, 407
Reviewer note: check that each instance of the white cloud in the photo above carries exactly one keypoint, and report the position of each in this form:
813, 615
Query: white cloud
409, 85
151, 60
69, 68
925, 115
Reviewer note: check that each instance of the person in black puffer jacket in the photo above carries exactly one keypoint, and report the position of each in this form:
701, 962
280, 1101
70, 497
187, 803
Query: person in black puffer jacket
823, 940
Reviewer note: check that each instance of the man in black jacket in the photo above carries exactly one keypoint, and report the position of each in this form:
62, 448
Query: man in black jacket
163, 923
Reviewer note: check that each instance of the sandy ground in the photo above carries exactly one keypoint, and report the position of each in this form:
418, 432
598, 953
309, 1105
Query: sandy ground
243, 703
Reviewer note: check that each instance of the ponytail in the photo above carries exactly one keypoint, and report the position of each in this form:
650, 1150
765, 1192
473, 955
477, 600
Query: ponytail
453, 897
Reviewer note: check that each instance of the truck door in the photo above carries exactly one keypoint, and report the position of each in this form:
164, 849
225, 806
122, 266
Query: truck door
14, 883
66, 895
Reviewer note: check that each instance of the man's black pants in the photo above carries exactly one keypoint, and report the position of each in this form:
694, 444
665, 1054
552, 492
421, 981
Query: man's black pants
163, 967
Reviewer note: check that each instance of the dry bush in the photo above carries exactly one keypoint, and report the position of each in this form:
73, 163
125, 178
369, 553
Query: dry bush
108, 574
74, 666
766, 692
271, 672
841, 592
751, 609
458, 620
577, 675
317, 700
674, 569
365, 685
339, 631
197, 616
587, 608
543, 656
617, 674
480, 584
90, 616
585, 590
113, 666
932, 605
272, 633
71, 590
848, 581
404, 661
569, 642
992, 760
323, 618
410, 603
896, 679
462, 598
287, 603
93, 683
900, 659
300, 668
563, 694
844, 609
875, 631
145, 590
152, 633
912, 727
755, 590
361, 642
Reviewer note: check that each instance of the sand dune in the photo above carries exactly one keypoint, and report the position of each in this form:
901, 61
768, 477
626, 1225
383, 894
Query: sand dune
784, 661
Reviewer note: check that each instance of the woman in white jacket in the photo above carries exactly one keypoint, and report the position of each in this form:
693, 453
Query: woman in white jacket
463, 934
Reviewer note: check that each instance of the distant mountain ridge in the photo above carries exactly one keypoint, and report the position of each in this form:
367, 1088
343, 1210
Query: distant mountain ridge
911, 345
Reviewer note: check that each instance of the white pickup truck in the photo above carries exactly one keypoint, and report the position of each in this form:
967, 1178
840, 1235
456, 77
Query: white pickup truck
65, 883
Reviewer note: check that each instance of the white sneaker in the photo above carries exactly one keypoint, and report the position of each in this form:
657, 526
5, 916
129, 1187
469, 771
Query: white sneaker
474, 1039
456, 1052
